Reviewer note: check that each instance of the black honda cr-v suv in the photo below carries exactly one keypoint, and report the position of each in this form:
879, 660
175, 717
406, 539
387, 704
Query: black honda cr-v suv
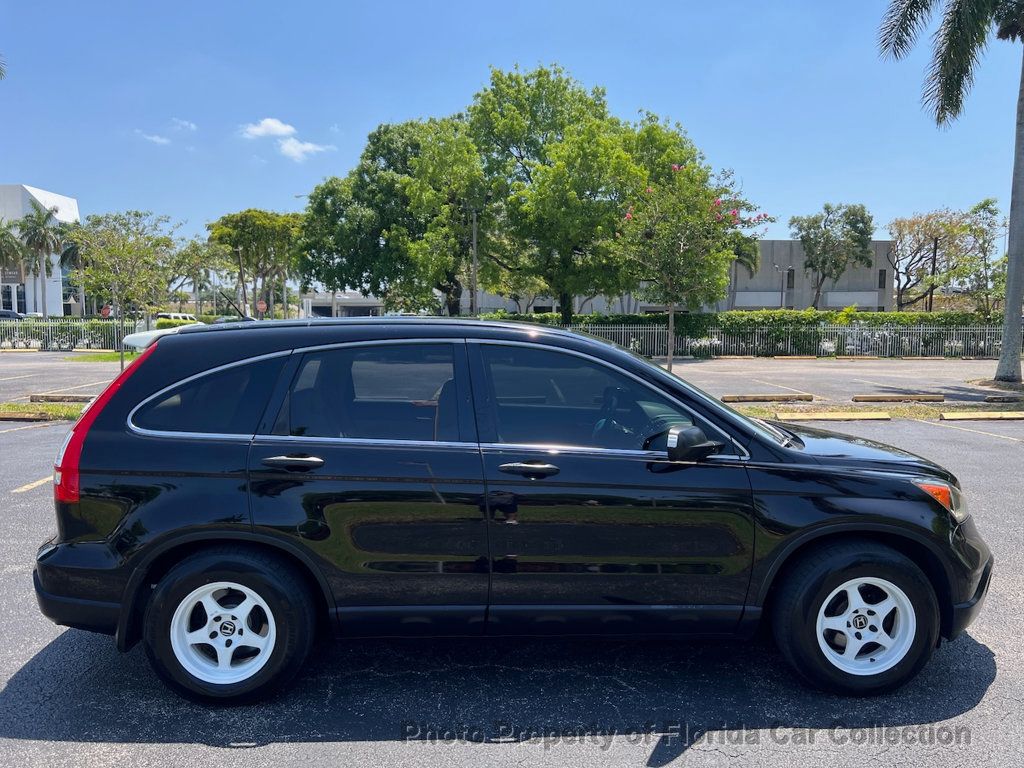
238, 488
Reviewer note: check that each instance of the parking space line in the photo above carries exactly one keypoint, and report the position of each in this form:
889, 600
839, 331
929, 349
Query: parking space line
880, 384
33, 485
34, 426
23, 376
968, 429
783, 386
78, 386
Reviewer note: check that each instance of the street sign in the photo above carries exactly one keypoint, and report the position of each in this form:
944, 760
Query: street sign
261, 306
105, 311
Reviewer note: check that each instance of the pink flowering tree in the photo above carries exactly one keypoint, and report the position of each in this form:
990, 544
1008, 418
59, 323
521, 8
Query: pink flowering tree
681, 233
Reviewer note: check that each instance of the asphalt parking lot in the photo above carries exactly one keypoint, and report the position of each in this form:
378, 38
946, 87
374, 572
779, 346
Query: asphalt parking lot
26, 373
69, 699
835, 380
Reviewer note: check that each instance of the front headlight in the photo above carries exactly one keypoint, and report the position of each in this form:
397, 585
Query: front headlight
947, 495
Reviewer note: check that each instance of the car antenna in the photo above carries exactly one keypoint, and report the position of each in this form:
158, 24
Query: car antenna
234, 306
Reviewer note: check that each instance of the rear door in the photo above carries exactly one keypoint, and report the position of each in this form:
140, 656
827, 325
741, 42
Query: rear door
372, 463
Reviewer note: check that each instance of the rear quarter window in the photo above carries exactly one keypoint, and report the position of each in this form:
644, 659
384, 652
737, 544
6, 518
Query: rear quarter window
226, 402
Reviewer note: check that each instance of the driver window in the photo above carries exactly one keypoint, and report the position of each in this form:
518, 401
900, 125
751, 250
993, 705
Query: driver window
543, 397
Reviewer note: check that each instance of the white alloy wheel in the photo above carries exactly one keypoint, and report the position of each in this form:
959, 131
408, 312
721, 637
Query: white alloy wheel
866, 626
223, 633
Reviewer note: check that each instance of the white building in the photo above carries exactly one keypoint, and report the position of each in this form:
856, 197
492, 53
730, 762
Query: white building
20, 290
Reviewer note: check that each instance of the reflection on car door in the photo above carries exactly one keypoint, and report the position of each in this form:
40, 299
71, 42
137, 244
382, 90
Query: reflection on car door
372, 462
590, 530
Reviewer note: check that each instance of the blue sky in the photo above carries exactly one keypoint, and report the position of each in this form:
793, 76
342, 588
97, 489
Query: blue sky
144, 105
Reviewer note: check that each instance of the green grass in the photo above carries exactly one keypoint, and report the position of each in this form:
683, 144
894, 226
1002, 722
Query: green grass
102, 357
52, 411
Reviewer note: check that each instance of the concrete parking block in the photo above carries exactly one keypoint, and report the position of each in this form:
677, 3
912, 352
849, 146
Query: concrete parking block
834, 416
58, 398
982, 416
28, 416
772, 398
899, 398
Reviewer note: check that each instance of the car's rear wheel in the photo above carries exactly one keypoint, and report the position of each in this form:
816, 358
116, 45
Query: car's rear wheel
229, 624
856, 618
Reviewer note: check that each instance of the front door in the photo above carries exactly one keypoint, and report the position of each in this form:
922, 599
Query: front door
592, 528
372, 465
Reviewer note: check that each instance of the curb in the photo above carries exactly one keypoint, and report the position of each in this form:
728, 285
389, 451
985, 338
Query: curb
982, 416
834, 416
16, 351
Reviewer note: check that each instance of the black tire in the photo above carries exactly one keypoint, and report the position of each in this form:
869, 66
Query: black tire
810, 582
279, 585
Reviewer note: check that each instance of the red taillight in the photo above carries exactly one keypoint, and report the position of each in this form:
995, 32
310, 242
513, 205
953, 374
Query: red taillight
65, 468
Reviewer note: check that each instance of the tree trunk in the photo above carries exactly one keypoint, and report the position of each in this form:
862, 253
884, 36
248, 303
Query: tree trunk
818, 283
42, 283
565, 308
1009, 357
671, 333
935, 262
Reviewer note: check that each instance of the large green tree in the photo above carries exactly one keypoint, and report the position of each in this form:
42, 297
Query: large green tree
126, 257
964, 30
560, 166
358, 229
680, 236
833, 240
447, 189
263, 247
42, 235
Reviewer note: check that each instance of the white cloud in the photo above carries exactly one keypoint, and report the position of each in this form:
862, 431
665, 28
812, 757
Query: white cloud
268, 126
183, 125
298, 150
153, 137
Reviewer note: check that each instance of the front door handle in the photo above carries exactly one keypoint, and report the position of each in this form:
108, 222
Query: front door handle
531, 469
294, 463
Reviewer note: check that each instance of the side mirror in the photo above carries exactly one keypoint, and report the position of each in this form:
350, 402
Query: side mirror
689, 444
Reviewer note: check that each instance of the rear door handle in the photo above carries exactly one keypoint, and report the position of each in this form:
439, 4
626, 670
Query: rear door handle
294, 463
531, 469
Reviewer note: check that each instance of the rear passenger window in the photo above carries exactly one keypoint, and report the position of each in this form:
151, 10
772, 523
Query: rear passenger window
228, 402
389, 392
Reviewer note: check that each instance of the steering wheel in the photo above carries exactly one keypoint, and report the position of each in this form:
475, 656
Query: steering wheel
606, 428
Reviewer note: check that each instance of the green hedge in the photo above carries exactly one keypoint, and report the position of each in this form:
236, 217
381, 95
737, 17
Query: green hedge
695, 324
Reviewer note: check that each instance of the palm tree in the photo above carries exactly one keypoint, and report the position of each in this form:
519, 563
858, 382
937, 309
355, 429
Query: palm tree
71, 260
3, 68
41, 233
12, 251
963, 33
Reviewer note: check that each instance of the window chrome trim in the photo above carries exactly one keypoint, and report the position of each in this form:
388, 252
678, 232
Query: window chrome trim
236, 437
367, 441
729, 439
446, 340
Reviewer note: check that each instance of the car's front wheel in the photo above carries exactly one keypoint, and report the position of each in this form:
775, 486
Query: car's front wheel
857, 618
229, 624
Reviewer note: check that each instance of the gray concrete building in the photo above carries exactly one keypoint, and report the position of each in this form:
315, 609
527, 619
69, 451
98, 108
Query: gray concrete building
780, 281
